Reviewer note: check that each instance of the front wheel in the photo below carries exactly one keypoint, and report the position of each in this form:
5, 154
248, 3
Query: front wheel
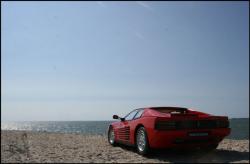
142, 144
111, 136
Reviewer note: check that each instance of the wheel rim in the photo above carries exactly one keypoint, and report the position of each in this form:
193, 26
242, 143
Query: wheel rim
141, 140
111, 136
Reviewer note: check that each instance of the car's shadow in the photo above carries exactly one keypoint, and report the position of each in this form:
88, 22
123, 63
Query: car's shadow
175, 156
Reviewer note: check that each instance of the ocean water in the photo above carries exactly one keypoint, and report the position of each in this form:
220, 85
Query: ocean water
239, 126
86, 127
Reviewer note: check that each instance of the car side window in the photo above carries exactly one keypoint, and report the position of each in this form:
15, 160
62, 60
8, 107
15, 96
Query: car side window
138, 115
131, 115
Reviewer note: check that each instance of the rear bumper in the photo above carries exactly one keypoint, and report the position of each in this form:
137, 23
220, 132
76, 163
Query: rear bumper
182, 138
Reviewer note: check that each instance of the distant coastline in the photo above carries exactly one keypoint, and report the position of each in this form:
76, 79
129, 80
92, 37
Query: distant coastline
239, 127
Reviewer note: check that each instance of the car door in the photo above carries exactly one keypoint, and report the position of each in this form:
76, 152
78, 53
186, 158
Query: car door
124, 127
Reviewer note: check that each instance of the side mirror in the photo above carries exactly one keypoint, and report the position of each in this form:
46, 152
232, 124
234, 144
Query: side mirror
117, 117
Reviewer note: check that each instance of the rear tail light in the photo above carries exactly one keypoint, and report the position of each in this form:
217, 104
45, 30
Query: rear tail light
165, 125
190, 124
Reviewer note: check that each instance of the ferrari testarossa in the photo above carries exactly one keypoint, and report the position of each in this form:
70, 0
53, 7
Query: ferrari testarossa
168, 127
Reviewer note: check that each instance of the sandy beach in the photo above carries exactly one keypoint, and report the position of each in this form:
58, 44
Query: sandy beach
23, 146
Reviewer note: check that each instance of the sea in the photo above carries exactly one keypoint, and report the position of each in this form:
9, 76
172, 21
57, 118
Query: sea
239, 127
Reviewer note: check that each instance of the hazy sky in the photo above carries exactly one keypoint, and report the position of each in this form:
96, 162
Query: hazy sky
90, 60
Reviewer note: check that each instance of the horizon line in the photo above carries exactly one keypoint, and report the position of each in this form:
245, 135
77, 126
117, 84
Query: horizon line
87, 120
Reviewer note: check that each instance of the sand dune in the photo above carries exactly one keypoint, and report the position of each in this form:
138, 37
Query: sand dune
21, 146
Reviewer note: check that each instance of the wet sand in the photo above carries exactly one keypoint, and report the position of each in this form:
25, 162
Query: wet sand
23, 146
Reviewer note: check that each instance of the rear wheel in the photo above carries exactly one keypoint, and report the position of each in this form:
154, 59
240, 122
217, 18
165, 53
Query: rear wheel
111, 136
210, 148
142, 144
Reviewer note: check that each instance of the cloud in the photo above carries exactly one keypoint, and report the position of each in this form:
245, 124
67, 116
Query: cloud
144, 5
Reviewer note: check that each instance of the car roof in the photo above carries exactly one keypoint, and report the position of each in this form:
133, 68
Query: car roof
168, 107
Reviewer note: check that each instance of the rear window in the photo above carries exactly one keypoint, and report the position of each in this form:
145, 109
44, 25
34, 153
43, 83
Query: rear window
171, 110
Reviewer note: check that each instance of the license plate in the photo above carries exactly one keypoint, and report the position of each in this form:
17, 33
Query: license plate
198, 134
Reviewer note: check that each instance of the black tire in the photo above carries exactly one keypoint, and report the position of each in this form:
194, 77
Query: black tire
142, 144
210, 148
111, 137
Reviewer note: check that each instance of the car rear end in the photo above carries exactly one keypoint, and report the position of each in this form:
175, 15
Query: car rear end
188, 130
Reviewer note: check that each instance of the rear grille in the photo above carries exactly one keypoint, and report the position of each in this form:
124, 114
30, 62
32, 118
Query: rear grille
165, 125
199, 124
191, 124
193, 141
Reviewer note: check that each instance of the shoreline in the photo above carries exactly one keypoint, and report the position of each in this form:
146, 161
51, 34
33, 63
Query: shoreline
30, 146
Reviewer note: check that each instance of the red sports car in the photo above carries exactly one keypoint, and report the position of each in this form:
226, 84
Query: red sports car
168, 127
